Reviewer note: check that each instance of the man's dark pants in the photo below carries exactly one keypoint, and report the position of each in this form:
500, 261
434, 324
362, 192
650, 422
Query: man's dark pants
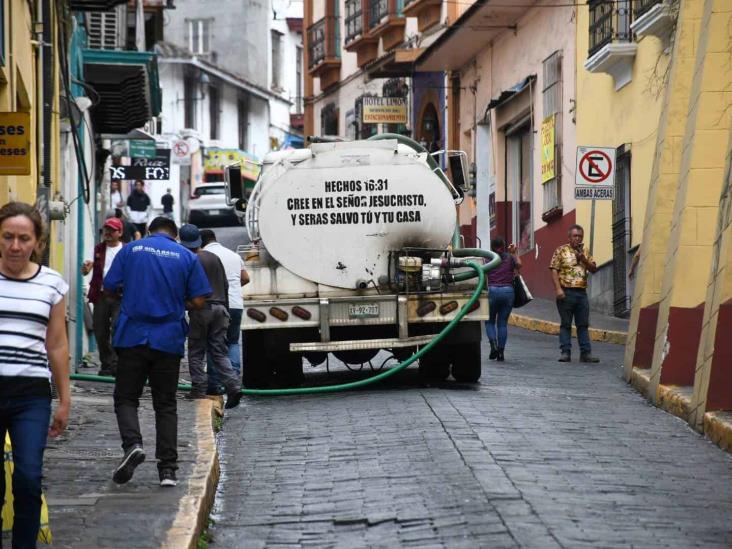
135, 366
575, 304
232, 340
207, 337
106, 311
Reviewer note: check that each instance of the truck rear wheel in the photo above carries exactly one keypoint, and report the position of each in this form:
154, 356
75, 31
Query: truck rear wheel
435, 365
465, 358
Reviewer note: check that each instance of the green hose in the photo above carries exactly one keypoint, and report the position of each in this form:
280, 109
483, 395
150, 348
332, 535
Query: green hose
480, 271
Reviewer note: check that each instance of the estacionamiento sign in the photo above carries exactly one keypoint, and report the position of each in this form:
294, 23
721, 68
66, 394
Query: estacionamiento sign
384, 110
15, 151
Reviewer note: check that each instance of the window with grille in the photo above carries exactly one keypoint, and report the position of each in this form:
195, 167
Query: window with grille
364, 131
329, 120
396, 87
277, 38
214, 111
353, 20
299, 81
609, 22
552, 106
242, 109
189, 101
199, 35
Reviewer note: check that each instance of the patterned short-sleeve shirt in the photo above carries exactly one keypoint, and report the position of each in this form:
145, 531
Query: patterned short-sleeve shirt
572, 273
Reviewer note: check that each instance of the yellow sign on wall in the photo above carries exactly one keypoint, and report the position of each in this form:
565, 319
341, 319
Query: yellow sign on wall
216, 159
548, 167
384, 110
15, 151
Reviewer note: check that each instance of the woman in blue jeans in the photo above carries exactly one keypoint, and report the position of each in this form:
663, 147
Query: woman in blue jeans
33, 344
500, 296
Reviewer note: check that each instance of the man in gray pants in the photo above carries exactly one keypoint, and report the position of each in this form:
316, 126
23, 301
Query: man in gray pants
209, 325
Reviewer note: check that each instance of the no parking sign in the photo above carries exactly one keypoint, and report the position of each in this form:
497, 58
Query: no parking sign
595, 173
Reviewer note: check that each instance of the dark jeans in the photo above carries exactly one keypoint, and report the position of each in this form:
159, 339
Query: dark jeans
135, 366
500, 303
142, 227
232, 340
207, 337
27, 419
575, 304
106, 311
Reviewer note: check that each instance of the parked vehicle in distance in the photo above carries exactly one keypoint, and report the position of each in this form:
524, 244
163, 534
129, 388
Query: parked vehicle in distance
207, 206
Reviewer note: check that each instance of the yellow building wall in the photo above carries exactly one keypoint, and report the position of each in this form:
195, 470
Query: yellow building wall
609, 118
19, 92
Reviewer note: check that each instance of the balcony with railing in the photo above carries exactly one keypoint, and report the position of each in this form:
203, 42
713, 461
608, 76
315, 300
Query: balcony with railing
611, 49
427, 12
324, 54
609, 22
386, 21
644, 6
358, 38
653, 18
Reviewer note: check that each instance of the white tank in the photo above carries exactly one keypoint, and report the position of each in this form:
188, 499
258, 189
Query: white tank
333, 218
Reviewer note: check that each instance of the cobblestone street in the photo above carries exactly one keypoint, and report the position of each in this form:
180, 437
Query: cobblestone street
540, 454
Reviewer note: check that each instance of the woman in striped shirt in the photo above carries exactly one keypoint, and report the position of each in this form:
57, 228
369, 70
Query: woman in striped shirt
33, 345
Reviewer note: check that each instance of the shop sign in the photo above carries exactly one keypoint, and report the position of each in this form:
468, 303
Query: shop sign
142, 148
15, 150
146, 169
384, 110
216, 159
548, 169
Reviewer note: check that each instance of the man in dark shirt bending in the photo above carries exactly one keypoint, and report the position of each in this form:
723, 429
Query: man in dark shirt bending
209, 325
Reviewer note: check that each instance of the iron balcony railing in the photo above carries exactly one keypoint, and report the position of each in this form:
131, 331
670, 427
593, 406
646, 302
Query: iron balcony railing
353, 20
378, 9
609, 22
643, 6
323, 40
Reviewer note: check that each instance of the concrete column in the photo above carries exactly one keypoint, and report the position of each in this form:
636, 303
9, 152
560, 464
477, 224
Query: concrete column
713, 375
662, 190
689, 252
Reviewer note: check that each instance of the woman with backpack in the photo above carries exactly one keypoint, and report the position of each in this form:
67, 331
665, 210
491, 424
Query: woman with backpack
501, 296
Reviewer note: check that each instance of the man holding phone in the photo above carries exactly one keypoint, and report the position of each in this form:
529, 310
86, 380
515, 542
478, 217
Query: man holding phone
569, 266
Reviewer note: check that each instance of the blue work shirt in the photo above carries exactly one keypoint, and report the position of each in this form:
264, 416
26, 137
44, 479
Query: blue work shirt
156, 275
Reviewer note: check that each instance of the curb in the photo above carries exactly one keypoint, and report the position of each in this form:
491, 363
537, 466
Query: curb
196, 504
552, 328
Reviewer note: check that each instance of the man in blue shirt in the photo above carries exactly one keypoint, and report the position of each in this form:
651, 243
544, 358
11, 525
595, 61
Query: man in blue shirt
158, 279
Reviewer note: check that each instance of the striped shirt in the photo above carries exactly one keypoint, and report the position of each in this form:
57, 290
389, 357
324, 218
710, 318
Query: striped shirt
25, 308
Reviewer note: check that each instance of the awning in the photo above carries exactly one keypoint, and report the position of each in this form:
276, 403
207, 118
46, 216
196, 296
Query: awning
128, 89
477, 27
94, 5
510, 93
396, 63
293, 141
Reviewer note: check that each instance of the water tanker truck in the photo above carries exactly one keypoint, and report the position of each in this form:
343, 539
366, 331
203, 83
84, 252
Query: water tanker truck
354, 249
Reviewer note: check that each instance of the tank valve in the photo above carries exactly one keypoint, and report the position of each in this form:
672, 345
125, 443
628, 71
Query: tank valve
362, 284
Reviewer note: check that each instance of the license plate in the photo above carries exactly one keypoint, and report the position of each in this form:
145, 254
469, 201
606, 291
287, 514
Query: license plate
363, 310
214, 212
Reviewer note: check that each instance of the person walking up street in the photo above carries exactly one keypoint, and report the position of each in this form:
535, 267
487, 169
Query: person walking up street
209, 326
33, 347
570, 266
139, 206
106, 306
501, 296
163, 279
237, 277
167, 201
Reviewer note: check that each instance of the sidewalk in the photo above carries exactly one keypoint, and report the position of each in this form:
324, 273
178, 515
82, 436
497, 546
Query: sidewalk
541, 316
85, 505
